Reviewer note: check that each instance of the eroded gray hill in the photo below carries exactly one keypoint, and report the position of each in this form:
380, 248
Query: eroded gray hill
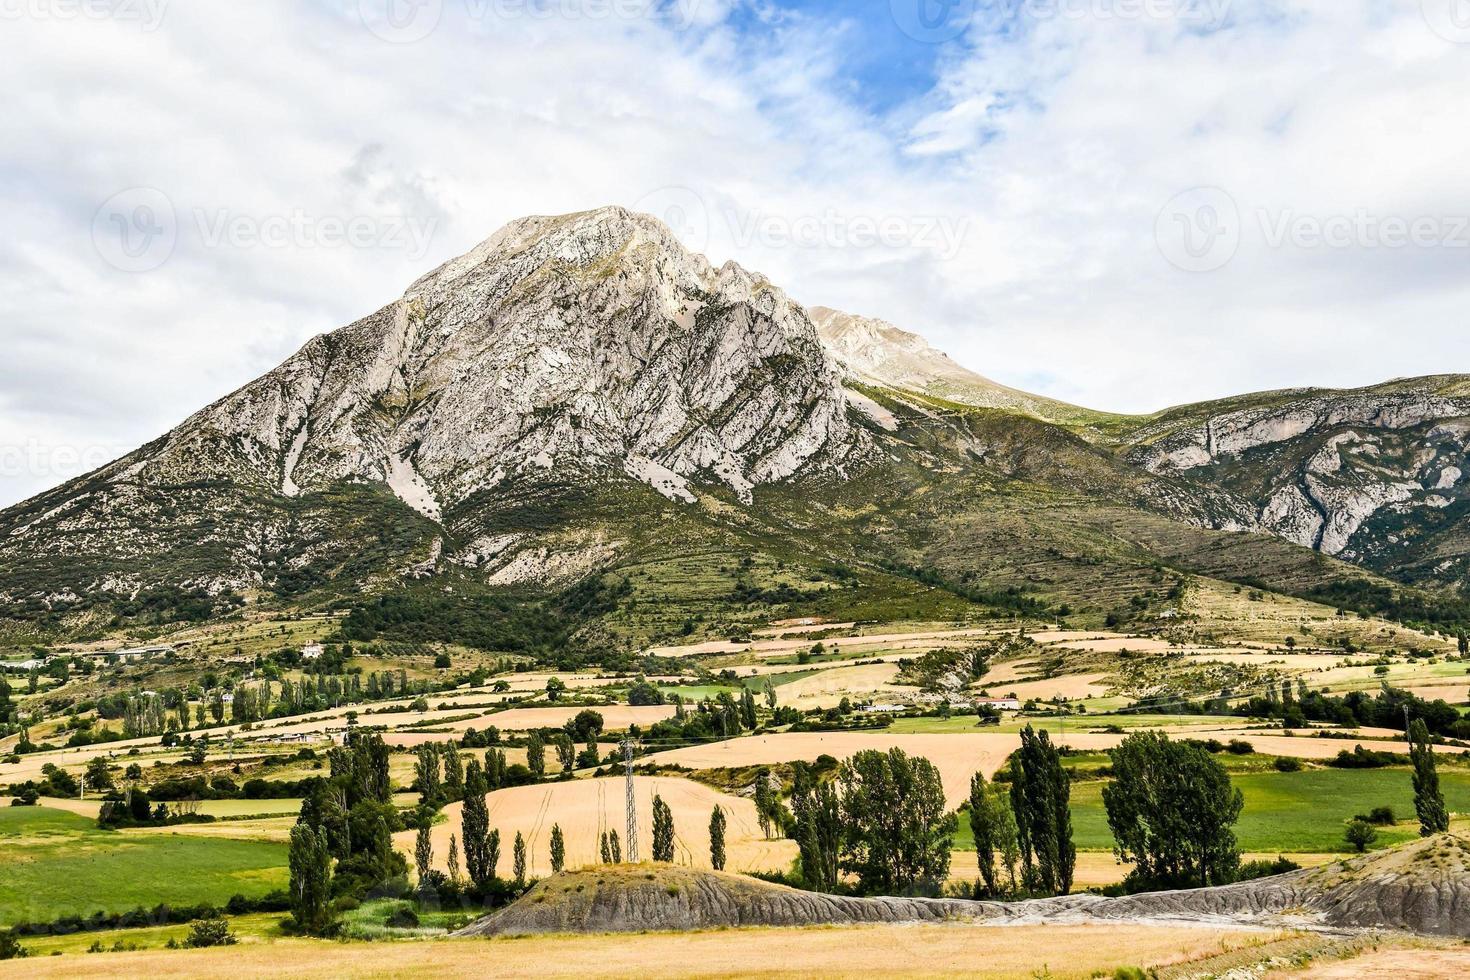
1423, 887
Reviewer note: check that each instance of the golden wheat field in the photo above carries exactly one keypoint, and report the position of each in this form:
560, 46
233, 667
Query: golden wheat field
1064, 952
584, 808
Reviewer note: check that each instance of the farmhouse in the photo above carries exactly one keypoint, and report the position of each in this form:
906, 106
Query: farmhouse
999, 704
311, 651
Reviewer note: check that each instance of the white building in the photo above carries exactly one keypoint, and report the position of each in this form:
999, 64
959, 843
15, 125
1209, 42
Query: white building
999, 704
311, 651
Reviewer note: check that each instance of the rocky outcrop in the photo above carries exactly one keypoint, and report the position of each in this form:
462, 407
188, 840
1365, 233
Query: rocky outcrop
582, 343
1169, 446
1422, 887
574, 350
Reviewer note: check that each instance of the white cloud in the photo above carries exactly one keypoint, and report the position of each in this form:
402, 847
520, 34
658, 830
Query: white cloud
1053, 147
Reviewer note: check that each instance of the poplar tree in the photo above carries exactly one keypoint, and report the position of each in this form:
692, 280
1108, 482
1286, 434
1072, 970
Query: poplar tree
817, 813
310, 861
536, 756
475, 823
423, 853
982, 828
1041, 794
520, 860
558, 849
663, 831
1429, 804
717, 839
453, 770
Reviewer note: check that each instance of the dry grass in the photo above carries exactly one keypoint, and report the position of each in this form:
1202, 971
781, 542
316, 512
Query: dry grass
614, 716
1063, 952
957, 756
1392, 964
586, 807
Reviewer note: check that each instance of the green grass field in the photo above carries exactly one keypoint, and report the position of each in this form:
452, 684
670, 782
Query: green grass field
54, 863
1302, 812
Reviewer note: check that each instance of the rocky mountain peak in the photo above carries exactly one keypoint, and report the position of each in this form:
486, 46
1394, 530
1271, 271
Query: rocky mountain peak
561, 346
877, 352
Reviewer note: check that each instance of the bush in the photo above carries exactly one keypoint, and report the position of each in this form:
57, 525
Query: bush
1237, 747
210, 932
1251, 870
1288, 764
1381, 816
10, 948
1361, 758
403, 918
1360, 834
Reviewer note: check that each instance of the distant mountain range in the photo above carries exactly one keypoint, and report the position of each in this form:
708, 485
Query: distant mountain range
582, 395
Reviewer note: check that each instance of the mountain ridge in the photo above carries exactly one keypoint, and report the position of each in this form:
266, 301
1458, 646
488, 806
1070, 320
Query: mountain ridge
567, 361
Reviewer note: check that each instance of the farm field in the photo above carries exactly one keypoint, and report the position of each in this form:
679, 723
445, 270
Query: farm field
1288, 813
1068, 953
586, 807
54, 863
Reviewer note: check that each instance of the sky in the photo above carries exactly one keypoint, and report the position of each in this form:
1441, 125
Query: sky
1126, 204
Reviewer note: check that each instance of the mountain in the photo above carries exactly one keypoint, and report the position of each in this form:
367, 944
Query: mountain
581, 411
1374, 475
876, 352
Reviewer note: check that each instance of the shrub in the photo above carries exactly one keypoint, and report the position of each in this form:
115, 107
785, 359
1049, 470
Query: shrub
1360, 834
1288, 764
1251, 870
10, 948
403, 918
1237, 747
1382, 816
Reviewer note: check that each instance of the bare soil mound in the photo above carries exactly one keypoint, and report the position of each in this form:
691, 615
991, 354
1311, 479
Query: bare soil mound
1422, 887
639, 897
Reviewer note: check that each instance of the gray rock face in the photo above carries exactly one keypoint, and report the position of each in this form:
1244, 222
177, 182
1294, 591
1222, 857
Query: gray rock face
579, 343
1359, 475
1235, 432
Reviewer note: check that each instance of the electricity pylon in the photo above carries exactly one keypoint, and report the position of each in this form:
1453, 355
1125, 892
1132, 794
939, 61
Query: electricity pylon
632, 806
